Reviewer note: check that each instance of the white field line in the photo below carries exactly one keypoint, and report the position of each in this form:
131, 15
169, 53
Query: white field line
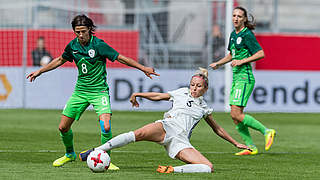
143, 152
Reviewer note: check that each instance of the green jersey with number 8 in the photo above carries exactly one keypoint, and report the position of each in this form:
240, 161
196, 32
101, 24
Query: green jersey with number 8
91, 62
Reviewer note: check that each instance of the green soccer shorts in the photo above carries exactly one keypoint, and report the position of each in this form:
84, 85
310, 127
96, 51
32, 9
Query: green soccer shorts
240, 93
79, 101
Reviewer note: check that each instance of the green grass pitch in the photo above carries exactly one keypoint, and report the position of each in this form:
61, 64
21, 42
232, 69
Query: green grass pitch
30, 142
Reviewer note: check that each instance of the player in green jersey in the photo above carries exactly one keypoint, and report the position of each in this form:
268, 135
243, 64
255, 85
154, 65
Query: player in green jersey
244, 49
89, 54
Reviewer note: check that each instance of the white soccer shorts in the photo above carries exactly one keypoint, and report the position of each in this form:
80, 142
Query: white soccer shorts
176, 139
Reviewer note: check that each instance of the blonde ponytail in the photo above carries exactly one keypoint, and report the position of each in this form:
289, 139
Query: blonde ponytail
203, 71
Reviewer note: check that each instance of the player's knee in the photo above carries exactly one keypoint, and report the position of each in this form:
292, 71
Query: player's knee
209, 164
235, 122
106, 128
63, 129
235, 116
139, 135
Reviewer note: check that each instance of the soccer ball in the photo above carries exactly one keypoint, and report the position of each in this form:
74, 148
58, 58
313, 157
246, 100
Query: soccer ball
45, 60
98, 161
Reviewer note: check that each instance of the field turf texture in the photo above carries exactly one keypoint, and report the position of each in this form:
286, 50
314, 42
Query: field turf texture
30, 142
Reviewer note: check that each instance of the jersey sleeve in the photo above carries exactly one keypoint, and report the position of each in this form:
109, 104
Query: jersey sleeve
176, 92
67, 54
252, 43
207, 110
107, 52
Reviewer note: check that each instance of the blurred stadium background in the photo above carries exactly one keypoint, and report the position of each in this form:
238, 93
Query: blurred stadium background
174, 36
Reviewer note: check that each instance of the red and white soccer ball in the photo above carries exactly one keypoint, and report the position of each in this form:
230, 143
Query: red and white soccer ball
98, 161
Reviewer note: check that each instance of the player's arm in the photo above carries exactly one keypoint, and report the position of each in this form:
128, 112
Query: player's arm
255, 57
148, 71
153, 96
222, 133
221, 62
52, 65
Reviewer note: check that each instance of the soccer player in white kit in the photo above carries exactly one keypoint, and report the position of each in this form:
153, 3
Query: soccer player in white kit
174, 131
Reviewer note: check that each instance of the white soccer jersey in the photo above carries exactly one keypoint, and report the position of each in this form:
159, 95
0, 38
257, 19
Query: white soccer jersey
186, 110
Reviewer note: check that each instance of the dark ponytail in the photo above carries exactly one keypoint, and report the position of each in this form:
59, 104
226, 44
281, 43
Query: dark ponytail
250, 24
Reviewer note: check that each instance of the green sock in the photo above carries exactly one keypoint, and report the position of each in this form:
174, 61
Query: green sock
250, 121
244, 133
106, 137
67, 139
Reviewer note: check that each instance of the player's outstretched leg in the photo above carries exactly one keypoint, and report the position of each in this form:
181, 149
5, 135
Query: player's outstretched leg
269, 137
116, 142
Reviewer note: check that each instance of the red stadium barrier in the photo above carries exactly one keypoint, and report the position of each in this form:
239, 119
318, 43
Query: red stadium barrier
289, 52
11, 44
283, 52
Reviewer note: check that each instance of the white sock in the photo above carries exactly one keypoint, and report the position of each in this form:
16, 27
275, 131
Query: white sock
118, 141
192, 168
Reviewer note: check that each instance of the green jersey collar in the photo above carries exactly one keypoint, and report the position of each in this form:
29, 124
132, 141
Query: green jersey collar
242, 30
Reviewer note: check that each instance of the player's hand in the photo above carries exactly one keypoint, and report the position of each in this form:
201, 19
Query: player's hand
237, 63
33, 75
148, 71
214, 65
134, 101
242, 146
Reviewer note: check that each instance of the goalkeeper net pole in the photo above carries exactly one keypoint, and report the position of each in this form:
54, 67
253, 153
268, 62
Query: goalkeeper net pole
227, 67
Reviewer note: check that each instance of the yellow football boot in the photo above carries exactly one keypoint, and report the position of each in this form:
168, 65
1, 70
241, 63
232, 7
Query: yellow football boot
269, 137
248, 152
113, 167
64, 159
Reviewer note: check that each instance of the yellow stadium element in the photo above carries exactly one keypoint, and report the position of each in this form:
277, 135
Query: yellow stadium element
7, 86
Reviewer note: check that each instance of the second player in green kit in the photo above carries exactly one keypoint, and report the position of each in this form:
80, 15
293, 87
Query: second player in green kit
89, 53
244, 49
241, 46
